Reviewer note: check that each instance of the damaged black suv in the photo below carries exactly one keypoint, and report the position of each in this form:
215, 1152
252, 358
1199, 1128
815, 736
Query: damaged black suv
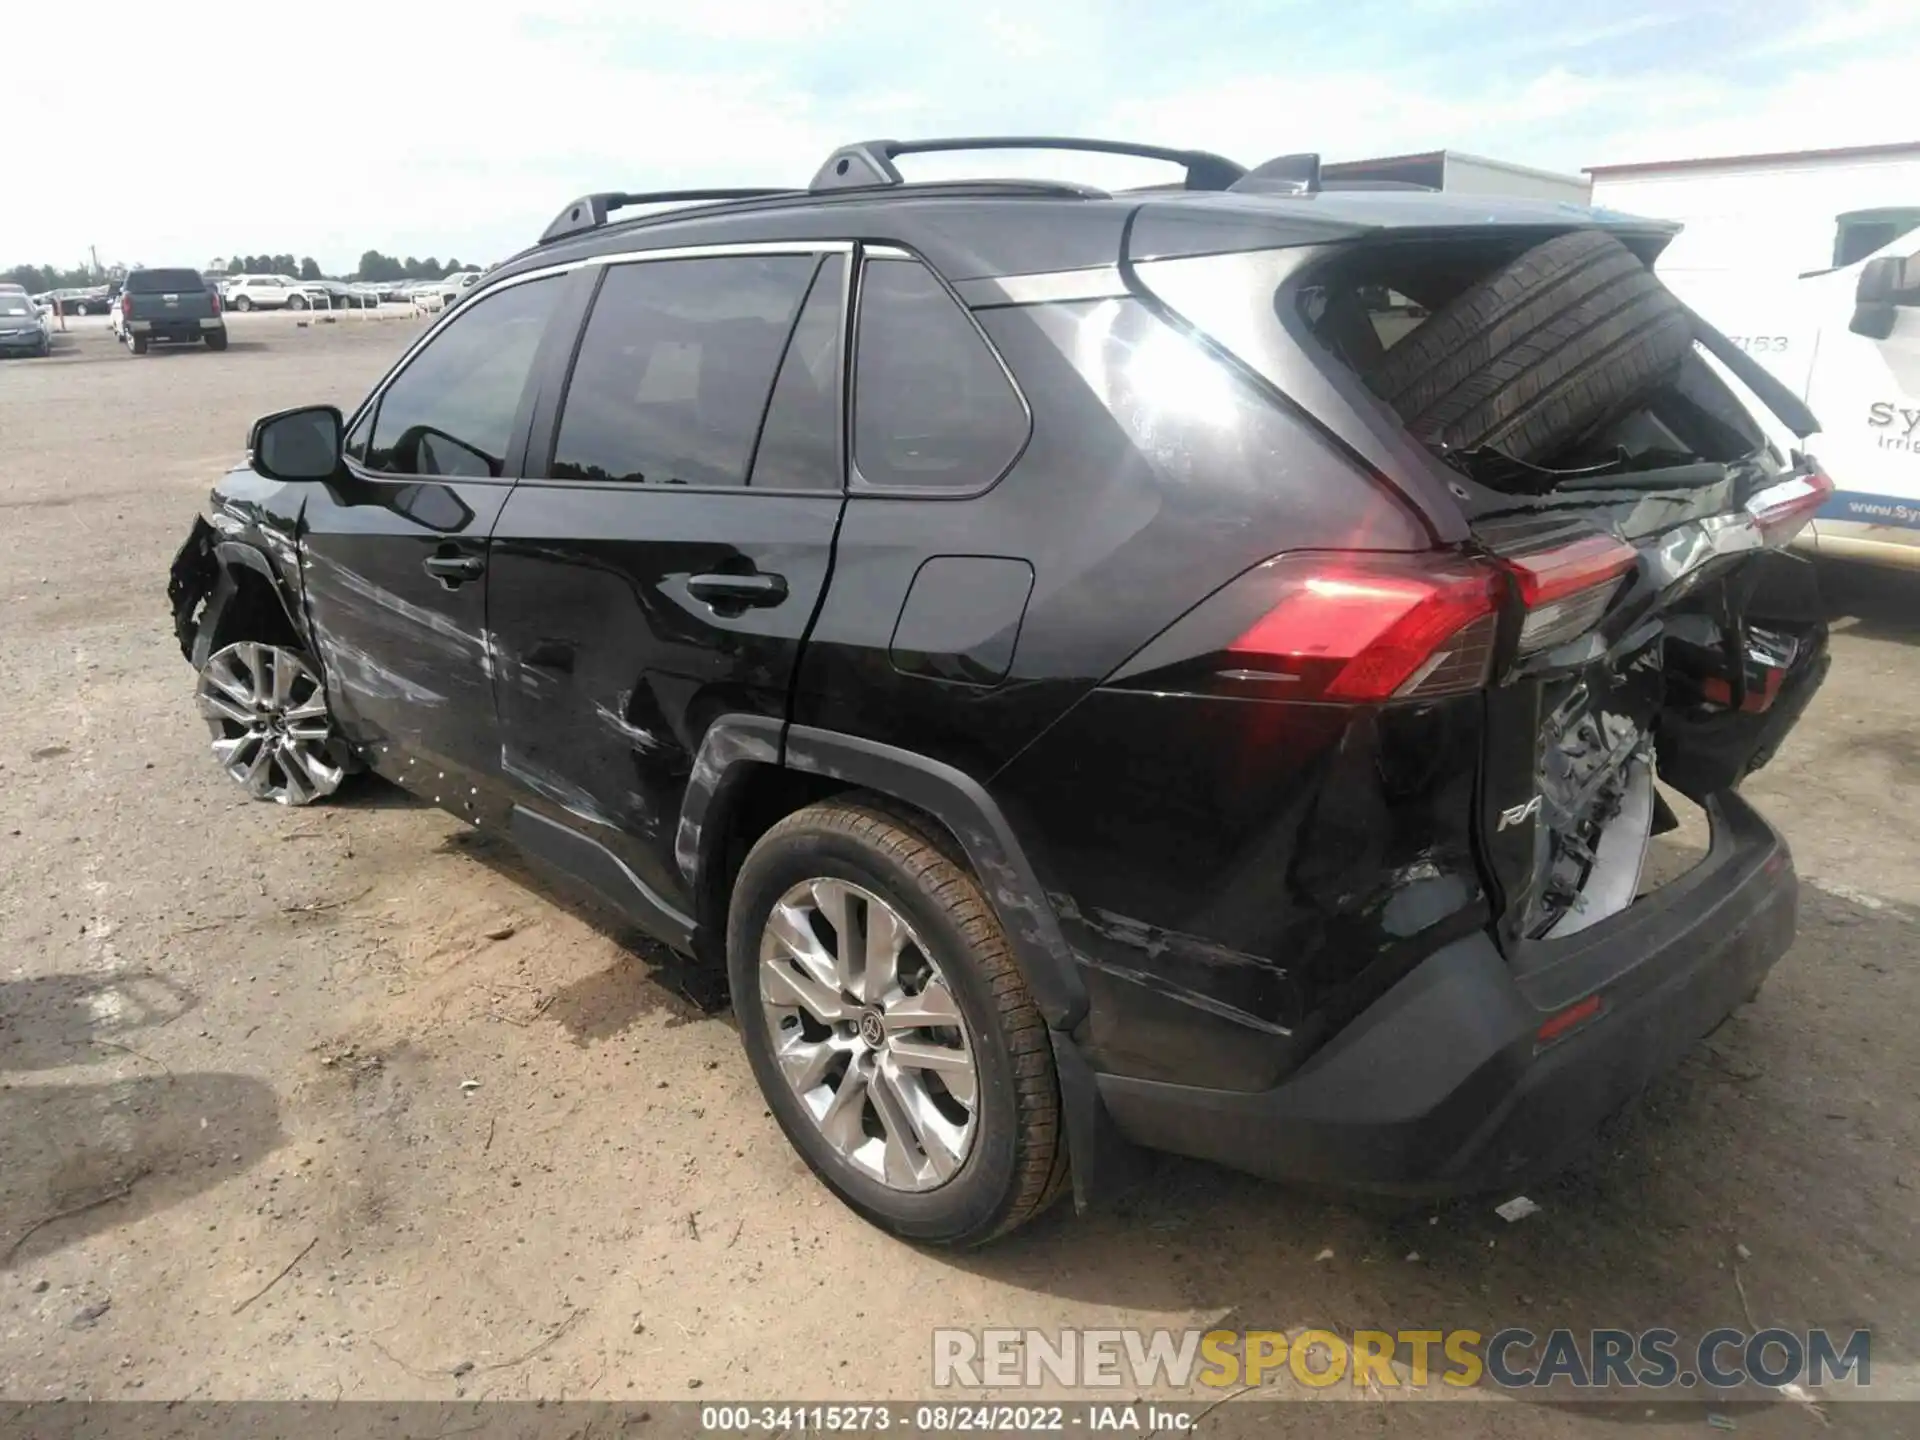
1183, 668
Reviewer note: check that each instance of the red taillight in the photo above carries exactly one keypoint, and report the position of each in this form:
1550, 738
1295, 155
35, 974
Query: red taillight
214, 296
126, 302
1783, 509
1567, 589
1571, 1018
1357, 627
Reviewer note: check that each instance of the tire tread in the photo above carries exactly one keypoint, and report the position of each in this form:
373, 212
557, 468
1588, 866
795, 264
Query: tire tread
1528, 359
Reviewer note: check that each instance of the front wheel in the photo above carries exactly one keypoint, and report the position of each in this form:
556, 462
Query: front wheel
273, 734
297, 302
242, 304
890, 1031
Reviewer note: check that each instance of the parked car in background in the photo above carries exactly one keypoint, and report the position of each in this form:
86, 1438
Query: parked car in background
1052, 768
172, 306
261, 292
339, 295
24, 326
455, 286
76, 300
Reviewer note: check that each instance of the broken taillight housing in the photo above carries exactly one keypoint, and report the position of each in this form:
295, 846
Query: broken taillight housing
1568, 588
1784, 507
1360, 626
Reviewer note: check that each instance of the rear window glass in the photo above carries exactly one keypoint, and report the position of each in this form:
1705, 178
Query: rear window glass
933, 409
158, 282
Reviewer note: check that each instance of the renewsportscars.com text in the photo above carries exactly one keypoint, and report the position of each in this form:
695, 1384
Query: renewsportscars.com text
1511, 1358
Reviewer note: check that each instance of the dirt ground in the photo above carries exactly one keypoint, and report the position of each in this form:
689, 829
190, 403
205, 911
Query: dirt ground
509, 1150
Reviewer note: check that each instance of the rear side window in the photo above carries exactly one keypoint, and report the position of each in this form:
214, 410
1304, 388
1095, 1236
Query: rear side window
932, 407
676, 368
164, 282
451, 411
800, 443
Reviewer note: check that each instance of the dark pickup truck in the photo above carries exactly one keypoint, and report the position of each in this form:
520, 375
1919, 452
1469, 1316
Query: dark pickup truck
171, 305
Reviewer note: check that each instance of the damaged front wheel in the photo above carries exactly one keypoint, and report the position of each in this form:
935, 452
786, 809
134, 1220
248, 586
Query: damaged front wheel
267, 711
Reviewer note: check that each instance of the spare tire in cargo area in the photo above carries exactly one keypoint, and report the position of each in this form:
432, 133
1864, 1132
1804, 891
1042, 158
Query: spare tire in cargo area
1532, 357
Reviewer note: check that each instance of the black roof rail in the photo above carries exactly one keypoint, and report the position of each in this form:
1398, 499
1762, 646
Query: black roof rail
590, 212
870, 162
1289, 174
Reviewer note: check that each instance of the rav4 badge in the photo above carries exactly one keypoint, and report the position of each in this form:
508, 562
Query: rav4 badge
1515, 814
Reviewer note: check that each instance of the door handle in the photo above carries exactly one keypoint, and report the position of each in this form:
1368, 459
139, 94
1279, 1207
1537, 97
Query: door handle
732, 590
452, 570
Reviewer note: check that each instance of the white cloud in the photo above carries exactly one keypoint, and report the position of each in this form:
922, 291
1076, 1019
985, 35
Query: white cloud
429, 126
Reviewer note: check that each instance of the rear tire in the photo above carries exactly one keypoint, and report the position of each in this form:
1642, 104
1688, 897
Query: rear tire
1012, 1162
1537, 355
137, 344
216, 340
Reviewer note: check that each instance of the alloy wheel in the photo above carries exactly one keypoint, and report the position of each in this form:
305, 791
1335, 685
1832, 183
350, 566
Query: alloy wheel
267, 712
867, 1031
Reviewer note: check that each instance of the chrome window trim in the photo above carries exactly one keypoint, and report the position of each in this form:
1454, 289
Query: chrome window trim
1045, 287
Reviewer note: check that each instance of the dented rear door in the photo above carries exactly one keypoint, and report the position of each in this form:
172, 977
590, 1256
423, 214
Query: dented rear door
662, 565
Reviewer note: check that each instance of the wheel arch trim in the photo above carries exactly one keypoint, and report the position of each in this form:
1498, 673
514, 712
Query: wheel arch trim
949, 796
234, 554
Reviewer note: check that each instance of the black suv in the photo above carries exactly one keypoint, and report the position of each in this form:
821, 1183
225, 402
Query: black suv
1183, 668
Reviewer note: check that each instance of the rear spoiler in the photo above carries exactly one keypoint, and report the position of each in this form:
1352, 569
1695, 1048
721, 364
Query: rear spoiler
1788, 407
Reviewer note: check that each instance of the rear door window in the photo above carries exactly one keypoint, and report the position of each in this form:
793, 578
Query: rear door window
933, 408
676, 369
164, 282
800, 443
451, 411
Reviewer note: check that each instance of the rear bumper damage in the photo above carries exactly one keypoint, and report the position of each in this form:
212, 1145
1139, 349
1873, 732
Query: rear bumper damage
1445, 1084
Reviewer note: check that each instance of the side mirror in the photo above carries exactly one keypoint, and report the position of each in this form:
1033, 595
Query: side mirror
302, 444
1875, 297
1878, 296
1879, 281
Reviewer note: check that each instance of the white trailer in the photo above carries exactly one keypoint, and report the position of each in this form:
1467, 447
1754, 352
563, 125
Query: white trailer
1811, 262
1460, 174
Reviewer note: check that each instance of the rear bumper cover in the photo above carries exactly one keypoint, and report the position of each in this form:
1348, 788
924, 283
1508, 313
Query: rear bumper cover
1441, 1087
188, 329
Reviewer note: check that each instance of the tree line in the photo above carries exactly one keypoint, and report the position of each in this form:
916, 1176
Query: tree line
373, 266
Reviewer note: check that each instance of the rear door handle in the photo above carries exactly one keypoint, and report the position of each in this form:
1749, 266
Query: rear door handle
738, 589
452, 570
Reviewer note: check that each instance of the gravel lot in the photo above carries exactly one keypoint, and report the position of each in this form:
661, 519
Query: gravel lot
496, 1131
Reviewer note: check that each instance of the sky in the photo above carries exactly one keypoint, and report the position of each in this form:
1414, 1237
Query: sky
429, 127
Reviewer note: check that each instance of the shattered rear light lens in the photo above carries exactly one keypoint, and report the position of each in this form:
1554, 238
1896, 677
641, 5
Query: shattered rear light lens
1357, 627
1783, 509
1568, 588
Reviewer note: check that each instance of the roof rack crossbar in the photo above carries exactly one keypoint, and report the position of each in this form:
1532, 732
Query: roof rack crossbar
869, 163
590, 212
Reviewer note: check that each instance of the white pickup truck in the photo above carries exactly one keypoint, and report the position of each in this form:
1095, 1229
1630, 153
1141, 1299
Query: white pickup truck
1846, 341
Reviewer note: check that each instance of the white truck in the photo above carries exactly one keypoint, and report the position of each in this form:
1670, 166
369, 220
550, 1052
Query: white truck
1847, 341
